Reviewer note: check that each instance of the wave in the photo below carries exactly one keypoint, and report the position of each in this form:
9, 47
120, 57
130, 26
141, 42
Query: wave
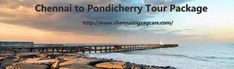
202, 58
176, 60
215, 57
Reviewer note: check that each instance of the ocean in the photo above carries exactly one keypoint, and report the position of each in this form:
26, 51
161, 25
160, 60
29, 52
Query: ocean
213, 56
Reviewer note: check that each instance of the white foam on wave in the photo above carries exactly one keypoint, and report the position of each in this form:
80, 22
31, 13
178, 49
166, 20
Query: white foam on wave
161, 60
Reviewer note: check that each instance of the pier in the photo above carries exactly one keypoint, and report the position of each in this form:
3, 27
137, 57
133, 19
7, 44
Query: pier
62, 48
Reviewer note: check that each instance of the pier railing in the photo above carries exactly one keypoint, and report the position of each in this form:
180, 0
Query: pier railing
62, 48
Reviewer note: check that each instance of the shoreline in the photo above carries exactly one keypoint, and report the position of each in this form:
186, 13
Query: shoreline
66, 61
136, 65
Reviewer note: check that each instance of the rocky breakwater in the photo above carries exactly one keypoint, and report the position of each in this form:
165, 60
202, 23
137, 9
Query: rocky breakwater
67, 61
127, 65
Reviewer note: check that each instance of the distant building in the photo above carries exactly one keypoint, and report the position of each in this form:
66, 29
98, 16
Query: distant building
15, 44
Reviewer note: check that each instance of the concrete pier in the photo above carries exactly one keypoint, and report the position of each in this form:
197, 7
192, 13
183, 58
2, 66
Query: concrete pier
61, 48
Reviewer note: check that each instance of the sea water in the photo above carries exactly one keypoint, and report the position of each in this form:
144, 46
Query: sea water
216, 56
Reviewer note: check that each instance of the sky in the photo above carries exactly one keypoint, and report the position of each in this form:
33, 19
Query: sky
20, 22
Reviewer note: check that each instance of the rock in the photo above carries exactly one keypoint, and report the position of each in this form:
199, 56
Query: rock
98, 61
169, 67
83, 60
76, 66
72, 62
27, 55
47, 61
151, 68
27, 66
2, 58
78, 60
39, 61
55, 65
160, 67
6, 63
111, 65
66, 61
70, 58
31, 60
53, 55
7, 55
43, 56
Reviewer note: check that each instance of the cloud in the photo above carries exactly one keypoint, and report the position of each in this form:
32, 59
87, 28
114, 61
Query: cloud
21, 12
